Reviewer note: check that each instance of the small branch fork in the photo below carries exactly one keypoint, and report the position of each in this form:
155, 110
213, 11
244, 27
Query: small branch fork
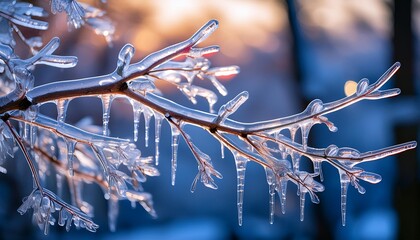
44, 192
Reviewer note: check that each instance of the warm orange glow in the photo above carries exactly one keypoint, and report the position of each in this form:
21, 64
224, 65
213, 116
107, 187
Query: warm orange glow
350, 87
244, 25
337, 17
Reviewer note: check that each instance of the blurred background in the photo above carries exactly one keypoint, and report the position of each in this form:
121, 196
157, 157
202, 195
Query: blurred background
290, 52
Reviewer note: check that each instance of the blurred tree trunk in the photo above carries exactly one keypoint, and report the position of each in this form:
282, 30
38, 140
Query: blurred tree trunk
407, 189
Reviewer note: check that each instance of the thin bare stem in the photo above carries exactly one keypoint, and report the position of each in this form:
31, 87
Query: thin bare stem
27, 156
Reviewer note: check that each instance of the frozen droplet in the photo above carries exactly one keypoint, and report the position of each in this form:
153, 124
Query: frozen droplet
158, 126
231, 106
62, 105
369, 177
316, 106
124, 58
346, 152
174, 144
224, 71
240, 162
142, 85
362, 86
68, 223
106, 109
329, 124
204, 32
331, 150
222, 90
26, 21
71, 145
200, 52
384, 93
357, 185
57, 61
194, 183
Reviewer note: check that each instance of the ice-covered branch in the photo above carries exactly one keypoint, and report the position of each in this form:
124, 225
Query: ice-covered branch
84, 154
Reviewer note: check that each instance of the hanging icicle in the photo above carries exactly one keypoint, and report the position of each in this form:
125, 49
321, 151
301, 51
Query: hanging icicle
62, 105
174, 144
158, 126
106, 109
71, 145
137, 110
147, 114
240, 162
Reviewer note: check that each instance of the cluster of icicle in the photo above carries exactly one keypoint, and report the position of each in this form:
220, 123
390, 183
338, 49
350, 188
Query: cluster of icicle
84, 153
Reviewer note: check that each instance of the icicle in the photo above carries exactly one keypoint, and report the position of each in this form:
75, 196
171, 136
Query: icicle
302, 204
158, 125
293, 131
302, 190
283, 194
174, 144
106, 109
283, 151
59, 180
222, 150
307, 184
318, 169
220, 88
147, 114
62, 105
272, 191
71, 145
26, 131
344, 183
305, 129
33, 135
63, 216
313, 108
113, 211
31, 114
21, 129
281, 168
137, 110
295, 160
240, 162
